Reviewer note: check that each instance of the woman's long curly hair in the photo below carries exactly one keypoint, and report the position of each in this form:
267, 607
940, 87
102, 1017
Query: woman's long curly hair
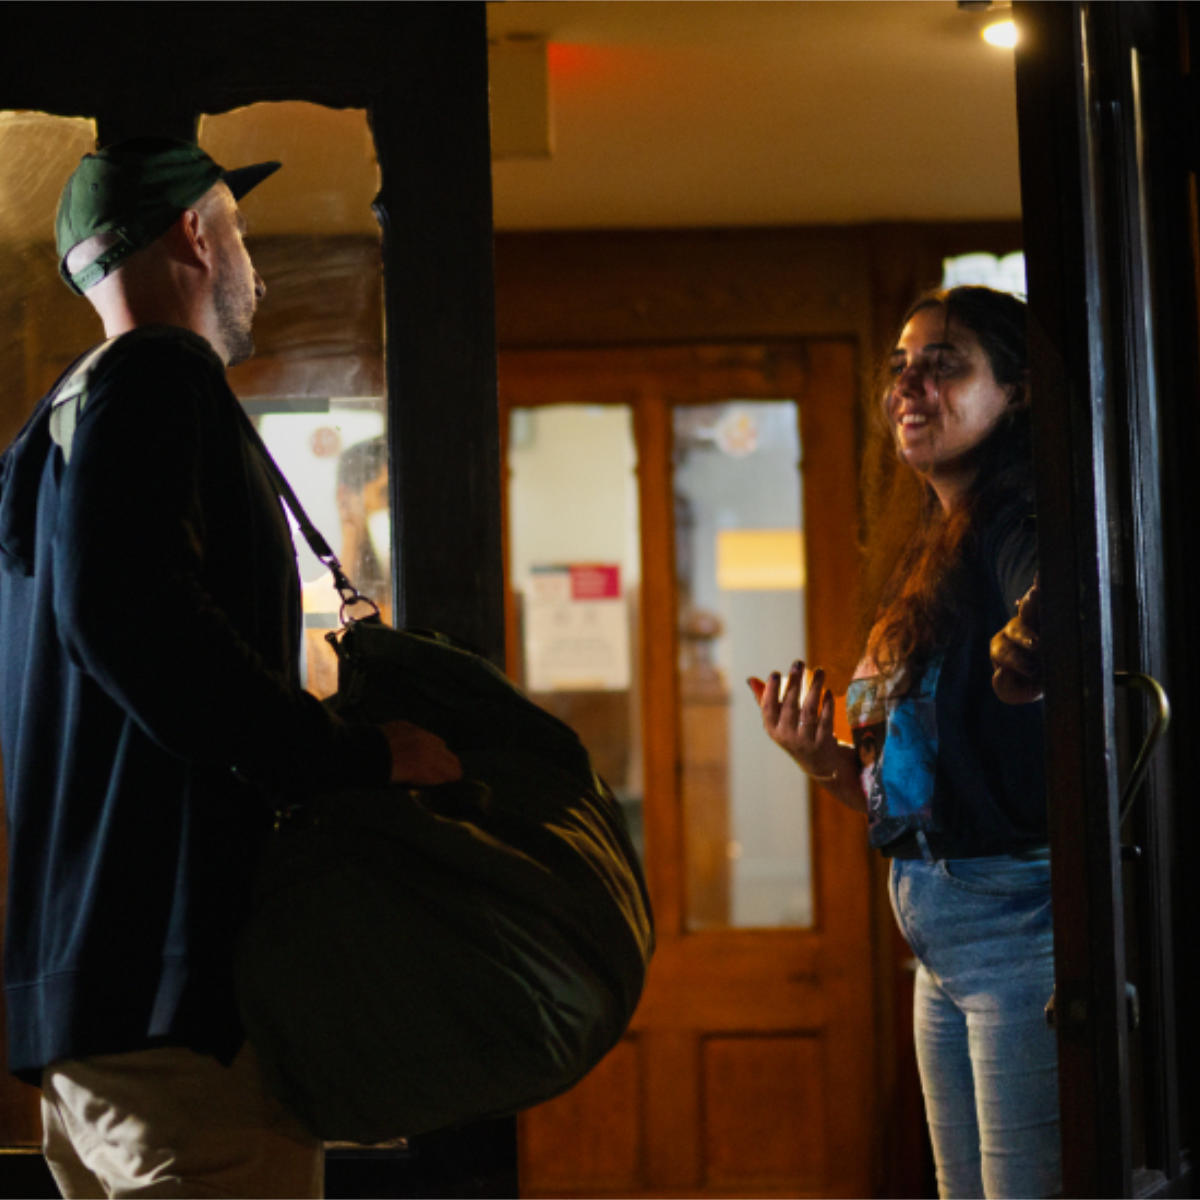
913, 549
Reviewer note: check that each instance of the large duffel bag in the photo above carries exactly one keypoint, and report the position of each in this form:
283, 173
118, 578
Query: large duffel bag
419, 957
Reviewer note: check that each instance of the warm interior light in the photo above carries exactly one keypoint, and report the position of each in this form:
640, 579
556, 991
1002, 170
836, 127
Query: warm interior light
1001, 33
760, 560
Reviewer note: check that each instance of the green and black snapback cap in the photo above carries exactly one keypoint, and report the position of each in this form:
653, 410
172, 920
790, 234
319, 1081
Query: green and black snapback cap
135, 189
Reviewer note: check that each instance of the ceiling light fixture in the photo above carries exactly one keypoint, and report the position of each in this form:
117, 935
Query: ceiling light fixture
1001, 33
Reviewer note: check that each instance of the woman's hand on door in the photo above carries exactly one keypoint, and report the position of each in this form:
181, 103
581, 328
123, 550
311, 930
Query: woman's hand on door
1016, 653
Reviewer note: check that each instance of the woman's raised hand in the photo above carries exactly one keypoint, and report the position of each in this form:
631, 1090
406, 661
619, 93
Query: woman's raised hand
801, 719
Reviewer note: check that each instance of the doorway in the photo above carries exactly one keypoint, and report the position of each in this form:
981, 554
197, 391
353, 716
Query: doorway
663, 505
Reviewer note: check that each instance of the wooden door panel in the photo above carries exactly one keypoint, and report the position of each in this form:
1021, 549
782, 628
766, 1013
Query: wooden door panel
747, 1081
734, 979
749, 1067
589, 1139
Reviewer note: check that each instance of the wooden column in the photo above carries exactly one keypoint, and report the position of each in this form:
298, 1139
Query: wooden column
431, 131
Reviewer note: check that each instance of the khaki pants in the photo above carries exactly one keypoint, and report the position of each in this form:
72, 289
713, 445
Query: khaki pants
170, 1122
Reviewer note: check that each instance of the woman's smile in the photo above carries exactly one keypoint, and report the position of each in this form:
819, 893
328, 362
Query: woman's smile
944, 401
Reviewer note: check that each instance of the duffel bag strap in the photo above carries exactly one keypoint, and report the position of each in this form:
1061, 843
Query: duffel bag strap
350, 595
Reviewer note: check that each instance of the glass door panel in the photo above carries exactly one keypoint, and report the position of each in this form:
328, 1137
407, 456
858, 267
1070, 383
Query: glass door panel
739, 551
574, 565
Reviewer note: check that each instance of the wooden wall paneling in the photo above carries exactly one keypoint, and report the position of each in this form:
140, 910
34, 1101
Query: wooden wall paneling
16, 397
906, 259
637, 287
319, 329
50, 328
630, 287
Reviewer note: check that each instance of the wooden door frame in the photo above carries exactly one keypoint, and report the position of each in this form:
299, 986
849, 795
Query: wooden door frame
1113, 359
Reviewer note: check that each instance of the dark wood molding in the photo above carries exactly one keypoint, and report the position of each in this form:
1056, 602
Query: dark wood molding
633, 287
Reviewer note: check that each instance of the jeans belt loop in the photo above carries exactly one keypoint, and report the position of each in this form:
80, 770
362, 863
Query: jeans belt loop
923, 842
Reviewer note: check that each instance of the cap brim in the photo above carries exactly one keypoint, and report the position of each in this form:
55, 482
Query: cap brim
241, 179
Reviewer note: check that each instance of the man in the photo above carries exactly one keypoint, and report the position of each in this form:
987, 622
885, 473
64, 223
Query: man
149, 700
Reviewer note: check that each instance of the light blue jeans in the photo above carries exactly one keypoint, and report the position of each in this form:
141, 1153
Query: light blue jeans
982, 933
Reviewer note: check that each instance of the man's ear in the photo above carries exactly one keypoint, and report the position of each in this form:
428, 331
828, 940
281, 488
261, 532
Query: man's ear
189, 239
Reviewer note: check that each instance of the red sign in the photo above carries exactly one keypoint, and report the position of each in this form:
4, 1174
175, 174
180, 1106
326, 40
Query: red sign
595, 581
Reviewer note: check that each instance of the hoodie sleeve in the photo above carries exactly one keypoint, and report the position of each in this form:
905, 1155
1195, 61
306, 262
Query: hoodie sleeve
136, 593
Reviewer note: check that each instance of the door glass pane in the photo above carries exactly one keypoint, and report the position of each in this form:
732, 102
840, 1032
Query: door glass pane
574, 567
740, 577
315, 384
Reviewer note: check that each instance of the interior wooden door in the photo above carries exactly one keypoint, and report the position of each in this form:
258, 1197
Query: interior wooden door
749, 1065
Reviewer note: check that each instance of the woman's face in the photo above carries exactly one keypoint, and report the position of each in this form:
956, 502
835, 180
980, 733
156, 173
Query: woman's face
943, 402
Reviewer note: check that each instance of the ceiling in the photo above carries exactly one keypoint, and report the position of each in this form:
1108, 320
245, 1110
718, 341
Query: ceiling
736, 112
662, 114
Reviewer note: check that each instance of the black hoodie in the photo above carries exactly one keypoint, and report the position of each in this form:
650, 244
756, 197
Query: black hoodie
149, 706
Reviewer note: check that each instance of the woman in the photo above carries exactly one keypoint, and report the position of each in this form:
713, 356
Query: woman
949, 775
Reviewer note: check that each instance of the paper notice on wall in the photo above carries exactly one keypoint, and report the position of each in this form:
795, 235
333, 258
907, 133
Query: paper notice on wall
576, 629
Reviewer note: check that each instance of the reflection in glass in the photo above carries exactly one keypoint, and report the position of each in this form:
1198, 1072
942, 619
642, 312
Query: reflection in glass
740, 580
574, 566
315, 384
336, 459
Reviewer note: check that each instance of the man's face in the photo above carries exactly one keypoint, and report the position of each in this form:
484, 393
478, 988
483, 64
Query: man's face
237, 287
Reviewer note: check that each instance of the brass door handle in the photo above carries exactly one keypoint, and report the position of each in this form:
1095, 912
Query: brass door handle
1162, 718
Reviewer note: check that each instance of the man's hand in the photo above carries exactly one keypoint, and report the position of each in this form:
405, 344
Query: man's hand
1016, 654
420, 757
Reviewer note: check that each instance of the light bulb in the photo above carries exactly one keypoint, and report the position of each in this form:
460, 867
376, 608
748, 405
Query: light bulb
1001, 33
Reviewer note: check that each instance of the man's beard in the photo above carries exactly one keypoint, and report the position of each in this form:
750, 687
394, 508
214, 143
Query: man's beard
234, 321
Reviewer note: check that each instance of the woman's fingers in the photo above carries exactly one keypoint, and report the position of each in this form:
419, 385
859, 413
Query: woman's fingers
792, 690
1029, 609
1016, 658
825, 721
793, 713
810, 708
770, 699
798, 718
1014, 649
1015, 689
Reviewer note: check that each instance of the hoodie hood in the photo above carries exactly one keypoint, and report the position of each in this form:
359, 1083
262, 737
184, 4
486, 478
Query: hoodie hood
21, 468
